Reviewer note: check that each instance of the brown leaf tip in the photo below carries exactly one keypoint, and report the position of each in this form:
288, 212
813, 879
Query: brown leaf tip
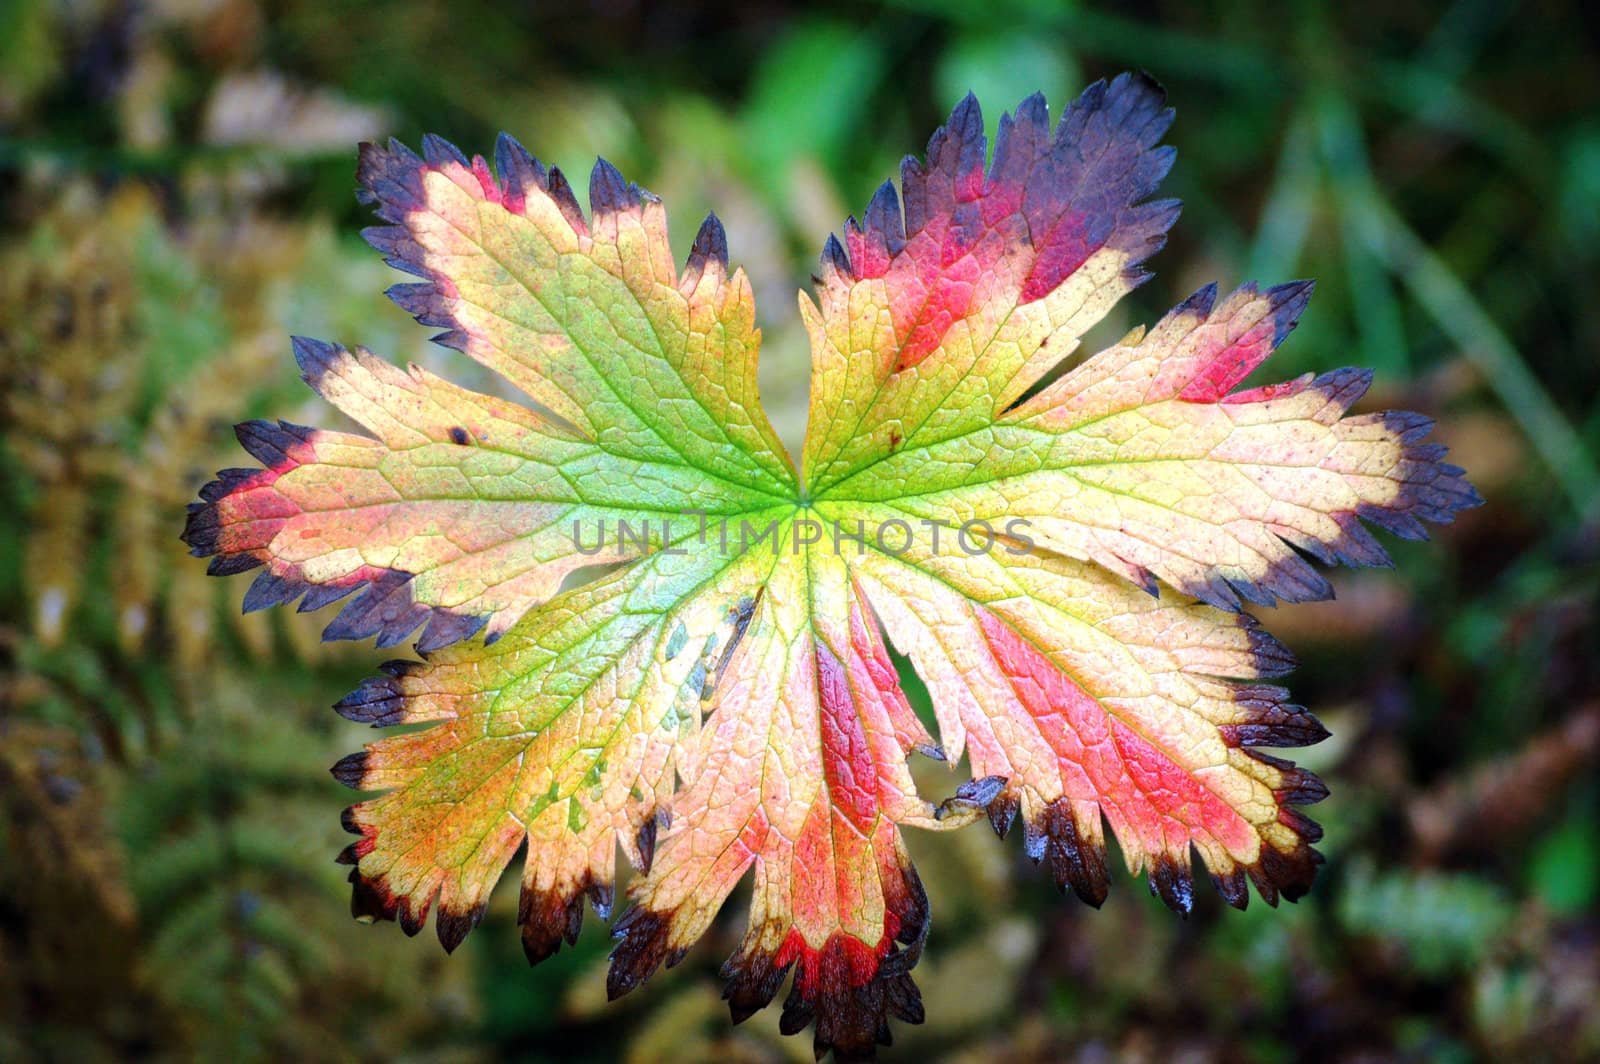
373, 899
1172, 881
351, 769
848, 988
1267, 719
752, 978
453, 925
644, 944
549, 917
1076, 858
849, 991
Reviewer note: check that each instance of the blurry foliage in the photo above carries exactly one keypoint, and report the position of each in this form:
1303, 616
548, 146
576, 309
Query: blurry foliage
175, 196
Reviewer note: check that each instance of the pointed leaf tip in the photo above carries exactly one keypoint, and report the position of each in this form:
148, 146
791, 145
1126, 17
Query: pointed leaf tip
351, 769
609, 191
436, 151
710, 244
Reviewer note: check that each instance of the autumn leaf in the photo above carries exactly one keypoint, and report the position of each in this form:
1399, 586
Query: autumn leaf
1063, 566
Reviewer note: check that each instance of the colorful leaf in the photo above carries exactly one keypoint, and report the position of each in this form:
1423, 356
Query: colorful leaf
723, 698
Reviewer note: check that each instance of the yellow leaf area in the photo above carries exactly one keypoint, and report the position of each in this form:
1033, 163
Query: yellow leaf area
1063, 566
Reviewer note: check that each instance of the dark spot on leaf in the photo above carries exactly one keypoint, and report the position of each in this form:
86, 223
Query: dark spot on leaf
739, 615
675, 642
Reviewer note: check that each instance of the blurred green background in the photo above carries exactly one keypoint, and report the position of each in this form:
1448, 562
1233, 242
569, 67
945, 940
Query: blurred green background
175, 199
